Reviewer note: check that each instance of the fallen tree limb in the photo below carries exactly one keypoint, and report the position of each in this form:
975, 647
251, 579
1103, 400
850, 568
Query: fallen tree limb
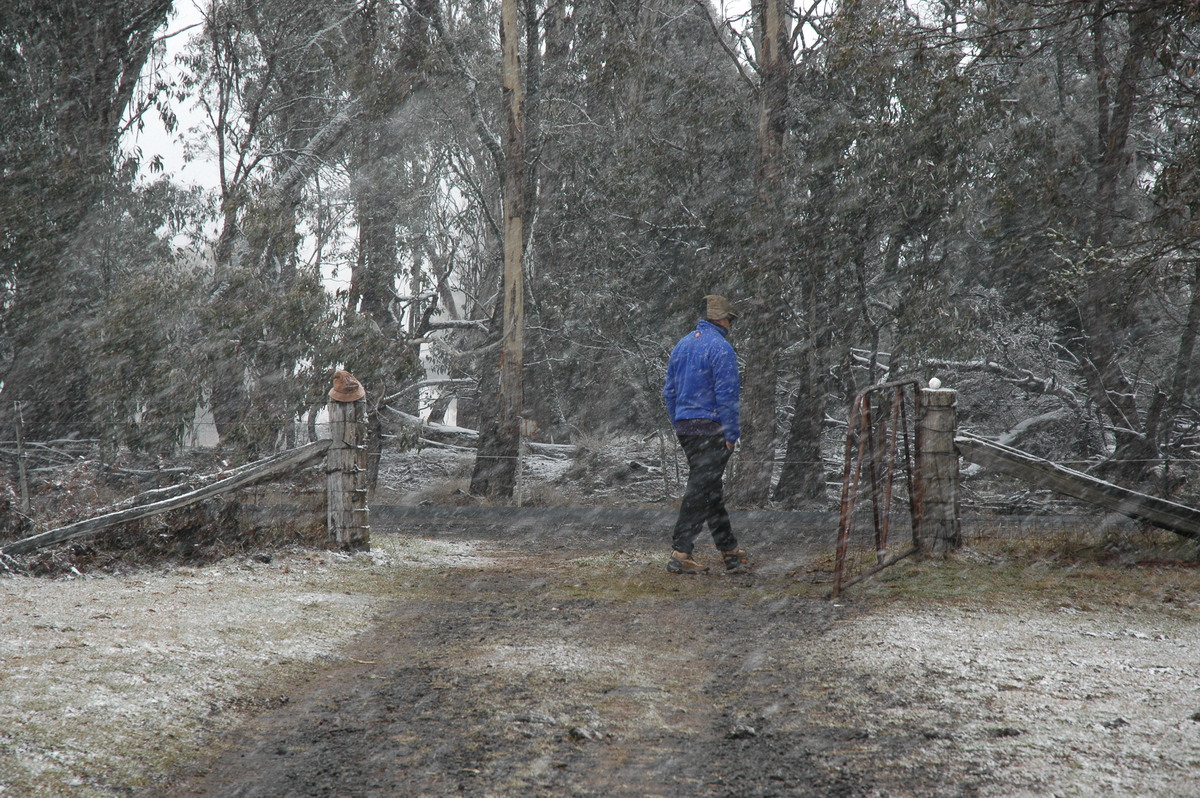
553, 449
254, 474
463, 438
432, 444
42, 451
1177, 518
442, 433
1030, 425
1020, 377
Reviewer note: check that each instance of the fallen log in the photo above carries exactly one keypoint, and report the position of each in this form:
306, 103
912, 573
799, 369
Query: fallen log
443, 435
253, 474
1169, 515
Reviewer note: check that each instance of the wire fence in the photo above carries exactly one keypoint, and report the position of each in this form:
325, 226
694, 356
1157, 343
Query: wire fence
991, 512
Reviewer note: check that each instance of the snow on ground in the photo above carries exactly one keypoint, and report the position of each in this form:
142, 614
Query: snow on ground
626, 471
95, 672
1061, 702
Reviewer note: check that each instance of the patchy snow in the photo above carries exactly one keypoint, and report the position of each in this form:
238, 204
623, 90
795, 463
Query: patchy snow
95, 672
421, 553
621, 471
1065, 702
1021, 699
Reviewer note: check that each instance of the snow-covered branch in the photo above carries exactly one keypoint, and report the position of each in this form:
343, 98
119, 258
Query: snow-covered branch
448, 434
435, 382
459, 324
1014, 375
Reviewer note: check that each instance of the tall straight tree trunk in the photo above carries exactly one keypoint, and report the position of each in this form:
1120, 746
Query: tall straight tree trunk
373, 275
1102, 310
1184, 373
762, 324
228, 399
495, 473
802, 477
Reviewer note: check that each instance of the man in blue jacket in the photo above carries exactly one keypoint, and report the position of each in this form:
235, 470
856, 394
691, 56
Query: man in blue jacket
701, 392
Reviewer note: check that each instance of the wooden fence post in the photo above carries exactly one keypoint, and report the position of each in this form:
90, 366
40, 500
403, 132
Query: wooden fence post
940, 526
348, 516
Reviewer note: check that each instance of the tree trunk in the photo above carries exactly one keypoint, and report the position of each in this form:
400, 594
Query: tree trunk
495, 472
1103, 310
756, 463
802, 477
1184, 372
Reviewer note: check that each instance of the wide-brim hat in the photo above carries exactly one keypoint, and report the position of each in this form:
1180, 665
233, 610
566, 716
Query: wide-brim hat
346, 388
718, 308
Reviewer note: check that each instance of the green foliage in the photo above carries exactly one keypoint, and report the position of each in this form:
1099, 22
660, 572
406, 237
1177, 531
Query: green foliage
259, 340
943, 204
140, 344
382, 362
645, 185
68, 73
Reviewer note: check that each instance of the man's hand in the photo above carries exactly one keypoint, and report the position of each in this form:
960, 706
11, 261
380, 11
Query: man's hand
729, 445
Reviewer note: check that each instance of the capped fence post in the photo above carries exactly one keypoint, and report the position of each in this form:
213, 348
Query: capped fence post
348, 516
939, 522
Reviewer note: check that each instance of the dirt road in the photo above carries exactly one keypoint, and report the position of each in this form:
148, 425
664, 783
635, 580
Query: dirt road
543, 668
553, 655
512, 652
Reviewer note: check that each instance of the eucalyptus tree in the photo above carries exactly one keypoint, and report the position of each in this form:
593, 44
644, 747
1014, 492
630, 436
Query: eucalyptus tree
1176, 196
1145, 126
787, 264
488, 175
394, 166
879, 186
1049, 199
764, 304
496, 460
70, 74
1091, 90
986, 176
139, 344
645, 163
635, 185
265, 76
1127, 37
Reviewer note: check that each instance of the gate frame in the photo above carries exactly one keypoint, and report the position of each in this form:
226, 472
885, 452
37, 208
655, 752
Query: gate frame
881, 443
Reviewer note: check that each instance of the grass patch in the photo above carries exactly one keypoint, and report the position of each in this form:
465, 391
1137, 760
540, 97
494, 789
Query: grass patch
1077, 566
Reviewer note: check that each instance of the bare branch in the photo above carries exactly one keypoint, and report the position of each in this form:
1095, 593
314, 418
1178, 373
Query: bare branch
718, 34
486, 137
1020, 377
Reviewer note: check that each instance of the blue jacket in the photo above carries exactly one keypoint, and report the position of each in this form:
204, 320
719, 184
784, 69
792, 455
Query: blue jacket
702, 379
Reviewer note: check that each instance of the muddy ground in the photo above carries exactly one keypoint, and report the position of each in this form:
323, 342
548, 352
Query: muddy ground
568, 662
481, 651
561, 659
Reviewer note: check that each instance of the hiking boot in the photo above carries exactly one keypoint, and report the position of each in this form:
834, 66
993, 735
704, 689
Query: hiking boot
681, 563
735, 560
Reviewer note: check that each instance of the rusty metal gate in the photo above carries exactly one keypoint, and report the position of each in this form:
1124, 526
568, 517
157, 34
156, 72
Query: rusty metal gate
878, 442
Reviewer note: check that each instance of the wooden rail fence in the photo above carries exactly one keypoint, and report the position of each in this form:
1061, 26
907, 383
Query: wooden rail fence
344, 454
